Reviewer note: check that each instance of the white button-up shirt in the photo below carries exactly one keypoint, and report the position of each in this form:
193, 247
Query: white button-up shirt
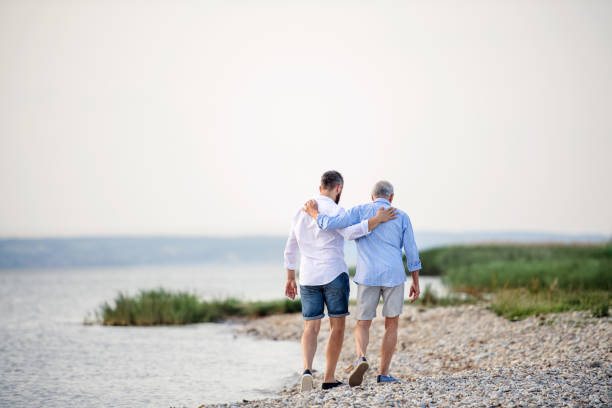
322, 252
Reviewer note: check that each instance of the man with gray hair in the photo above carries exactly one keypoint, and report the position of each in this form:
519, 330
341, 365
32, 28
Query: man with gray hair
380, 272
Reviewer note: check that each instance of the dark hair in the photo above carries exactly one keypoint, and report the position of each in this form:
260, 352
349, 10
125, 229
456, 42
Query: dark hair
330, 179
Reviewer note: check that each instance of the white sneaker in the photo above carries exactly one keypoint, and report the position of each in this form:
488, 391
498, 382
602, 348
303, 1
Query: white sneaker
306, 381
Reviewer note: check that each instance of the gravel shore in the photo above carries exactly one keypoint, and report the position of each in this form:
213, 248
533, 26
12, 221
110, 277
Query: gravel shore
464, 356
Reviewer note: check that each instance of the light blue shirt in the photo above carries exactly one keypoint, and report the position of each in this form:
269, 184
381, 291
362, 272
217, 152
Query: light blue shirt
379, 254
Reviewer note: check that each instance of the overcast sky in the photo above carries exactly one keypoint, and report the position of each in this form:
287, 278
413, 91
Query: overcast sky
218, 118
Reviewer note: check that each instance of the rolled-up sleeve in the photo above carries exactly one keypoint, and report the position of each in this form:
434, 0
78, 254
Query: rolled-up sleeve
410, 247
291, 251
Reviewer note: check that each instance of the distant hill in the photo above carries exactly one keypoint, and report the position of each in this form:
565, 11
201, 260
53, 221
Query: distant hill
121, 251
116, 251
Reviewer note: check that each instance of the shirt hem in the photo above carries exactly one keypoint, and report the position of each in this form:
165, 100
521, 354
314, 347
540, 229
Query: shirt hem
384, 284
325, 283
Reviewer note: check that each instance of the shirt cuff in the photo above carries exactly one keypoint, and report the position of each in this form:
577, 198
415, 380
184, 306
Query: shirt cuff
415, 266
365, 228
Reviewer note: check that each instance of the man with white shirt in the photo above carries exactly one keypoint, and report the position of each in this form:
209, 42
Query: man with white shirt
323, 275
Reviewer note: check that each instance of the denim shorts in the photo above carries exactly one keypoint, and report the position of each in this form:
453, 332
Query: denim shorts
334, 295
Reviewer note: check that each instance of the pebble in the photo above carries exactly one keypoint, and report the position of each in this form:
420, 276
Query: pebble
463, 356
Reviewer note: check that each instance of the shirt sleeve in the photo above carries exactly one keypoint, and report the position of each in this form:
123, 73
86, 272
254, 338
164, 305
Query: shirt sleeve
341, 220
291, 251
410, 247
355, 231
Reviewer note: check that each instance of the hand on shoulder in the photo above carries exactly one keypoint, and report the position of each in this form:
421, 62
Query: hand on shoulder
311, 208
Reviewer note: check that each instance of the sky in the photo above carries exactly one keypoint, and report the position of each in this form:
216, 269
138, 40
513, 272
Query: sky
219, 117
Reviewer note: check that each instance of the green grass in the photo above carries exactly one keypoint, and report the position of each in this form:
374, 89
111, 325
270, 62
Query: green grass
528, 280
491, 267
162, 307
430, 298
516, 304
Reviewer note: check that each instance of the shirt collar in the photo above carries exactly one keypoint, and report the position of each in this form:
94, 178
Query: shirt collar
324, 197
382, 200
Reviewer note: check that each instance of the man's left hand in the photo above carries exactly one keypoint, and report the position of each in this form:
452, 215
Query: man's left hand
311, 208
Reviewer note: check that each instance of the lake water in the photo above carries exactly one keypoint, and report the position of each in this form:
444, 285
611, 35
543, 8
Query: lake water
49, 358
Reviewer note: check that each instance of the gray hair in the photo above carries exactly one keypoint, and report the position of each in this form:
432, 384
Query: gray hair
382, 189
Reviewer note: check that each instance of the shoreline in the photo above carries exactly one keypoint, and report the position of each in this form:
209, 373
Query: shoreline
461, 355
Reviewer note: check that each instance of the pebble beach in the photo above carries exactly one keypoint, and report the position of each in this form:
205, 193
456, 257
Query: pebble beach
461, 356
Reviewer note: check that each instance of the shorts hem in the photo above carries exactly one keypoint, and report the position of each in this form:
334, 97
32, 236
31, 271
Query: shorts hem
314, 317
339, 314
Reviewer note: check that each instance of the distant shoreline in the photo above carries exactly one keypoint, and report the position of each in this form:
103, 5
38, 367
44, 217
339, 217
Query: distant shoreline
81, 252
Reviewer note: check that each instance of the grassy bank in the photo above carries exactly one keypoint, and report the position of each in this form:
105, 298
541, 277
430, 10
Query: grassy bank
516, 304
523, 279
162, 307
528, 279
490, 267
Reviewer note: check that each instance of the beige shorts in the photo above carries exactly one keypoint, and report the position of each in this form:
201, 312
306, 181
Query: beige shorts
369, 296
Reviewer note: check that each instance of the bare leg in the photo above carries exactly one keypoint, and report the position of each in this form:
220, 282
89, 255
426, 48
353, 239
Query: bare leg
388, 343
309, 341
362, 337
334, 346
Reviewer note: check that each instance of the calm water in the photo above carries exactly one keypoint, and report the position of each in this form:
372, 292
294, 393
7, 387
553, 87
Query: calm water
49, 358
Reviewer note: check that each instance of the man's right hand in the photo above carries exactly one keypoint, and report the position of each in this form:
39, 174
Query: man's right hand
382, 215
291, 289
386, 214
